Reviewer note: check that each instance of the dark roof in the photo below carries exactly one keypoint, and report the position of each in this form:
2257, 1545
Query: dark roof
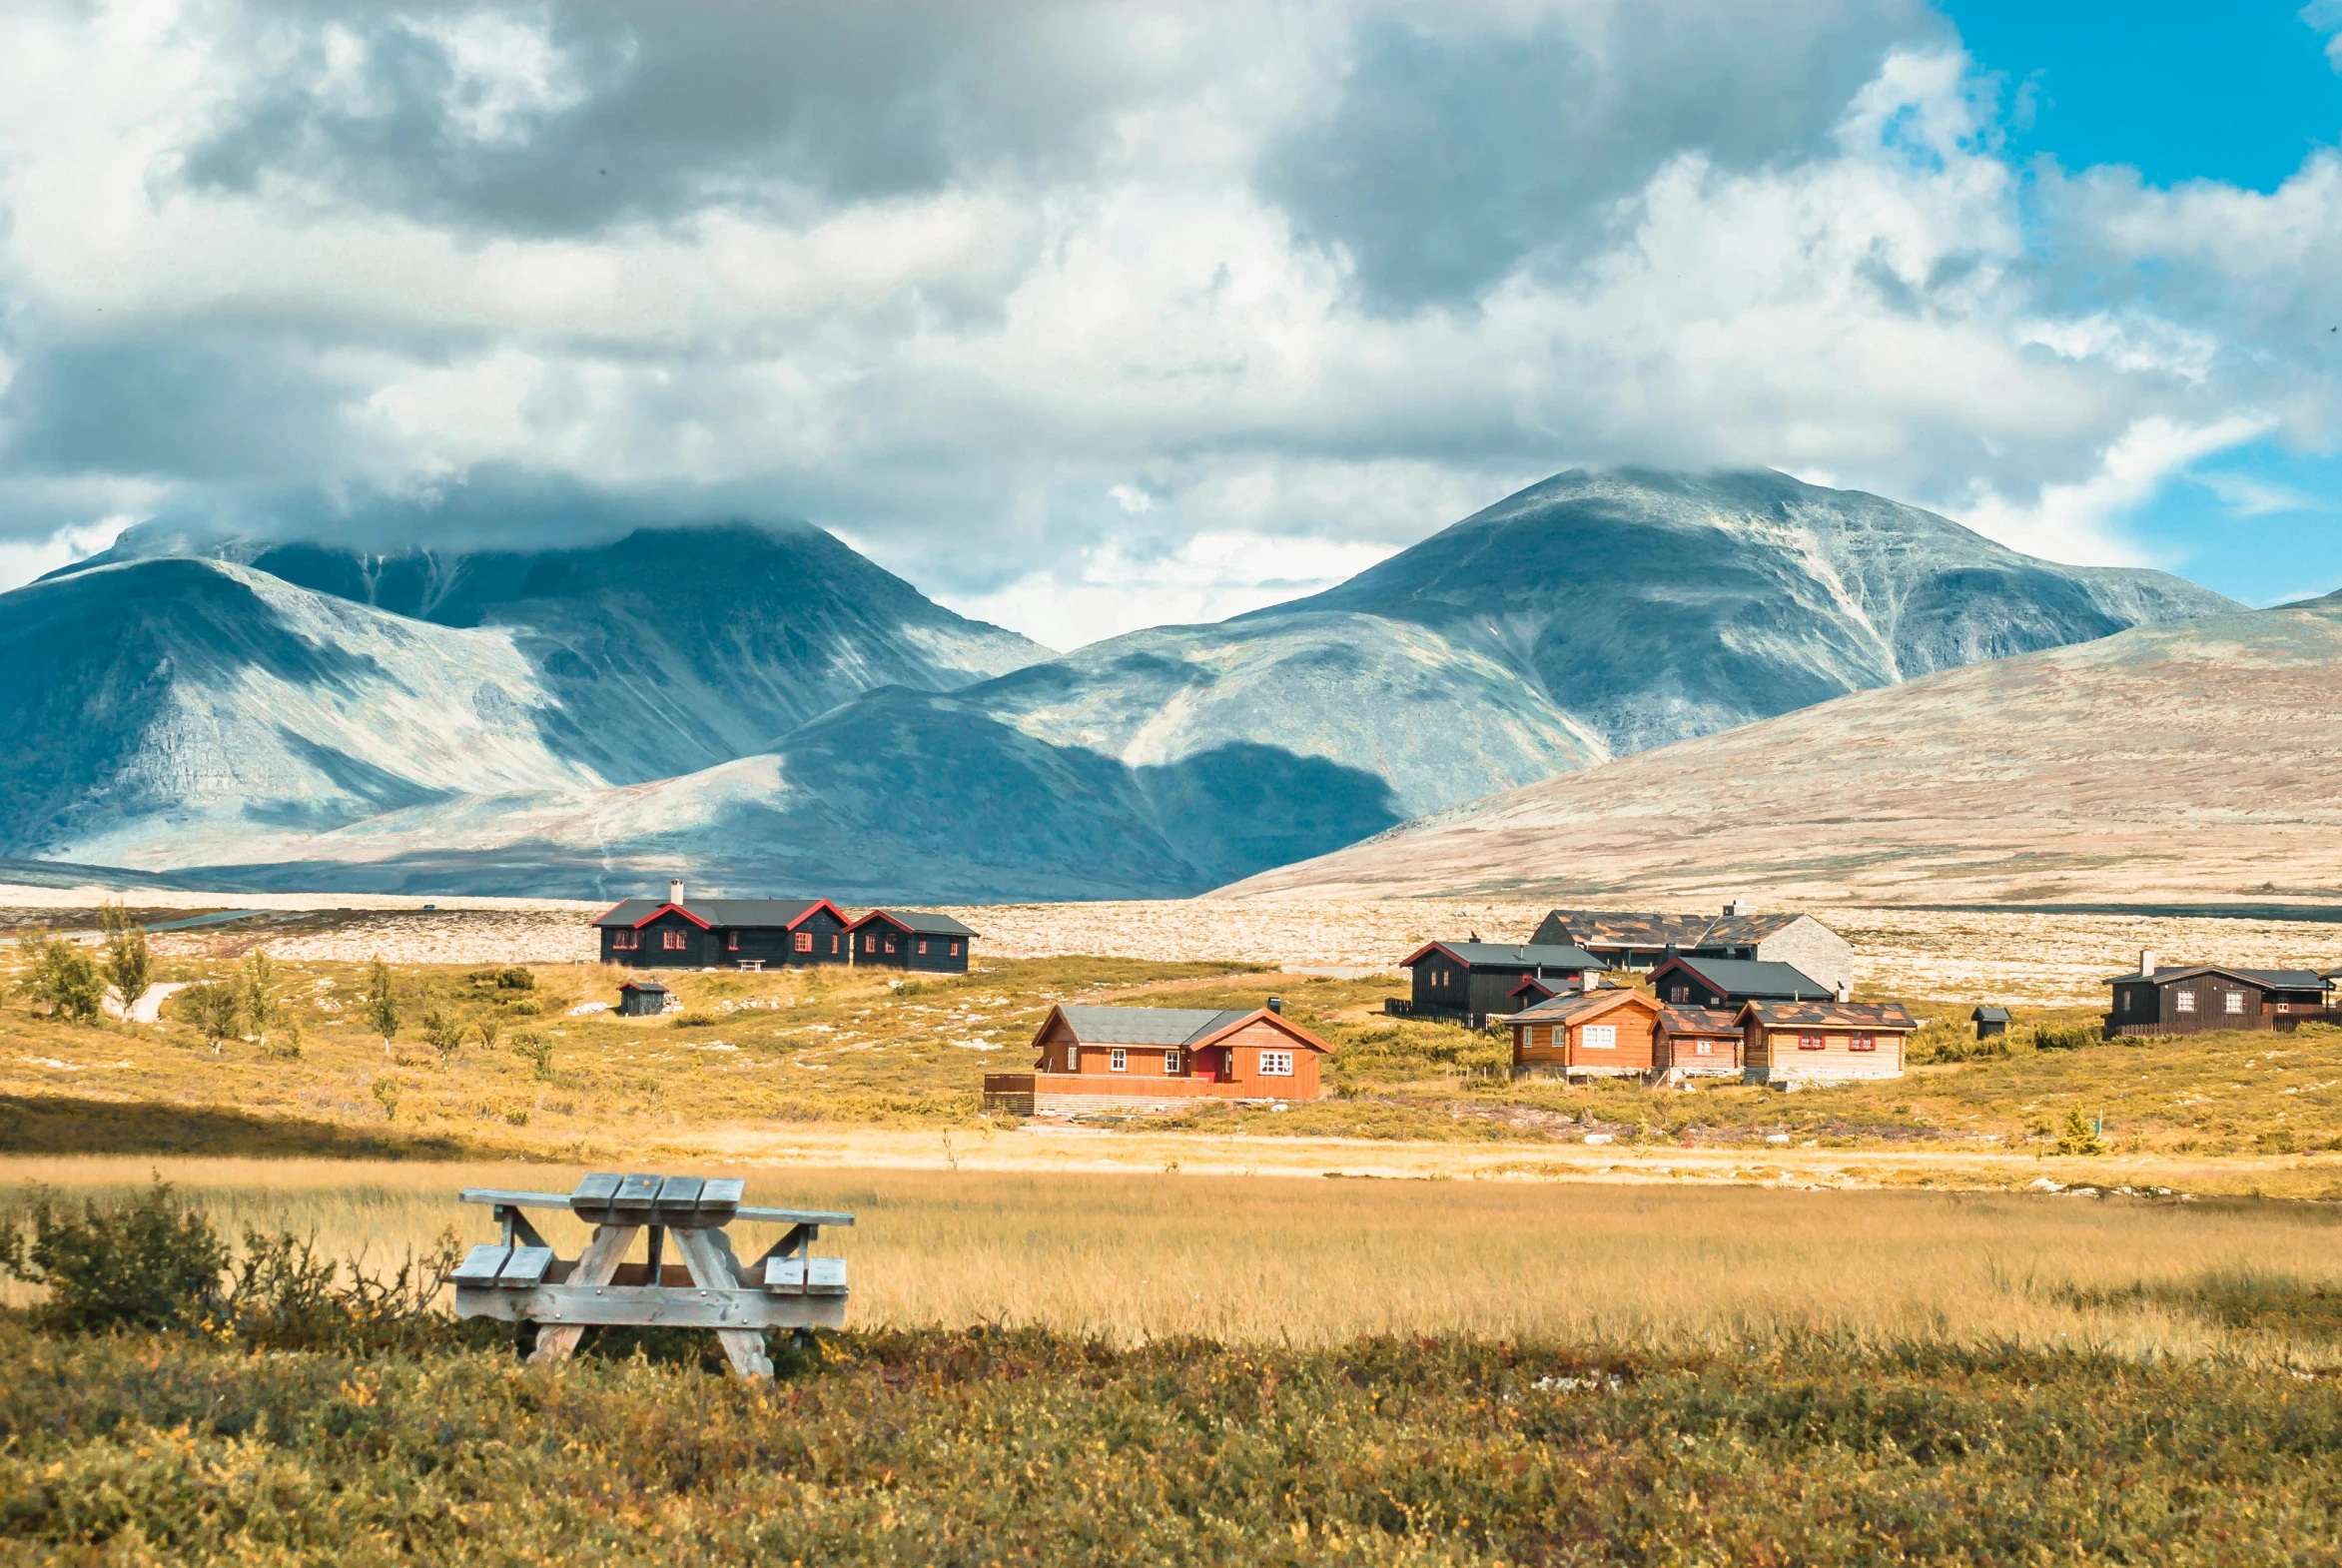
1679, 1019
1990, 1014
923, 923
734, 913
1149, 1025
640, 984
1843, 1015
1572, 1004
2266, 979
1623, 929
1498, 955
1749, 977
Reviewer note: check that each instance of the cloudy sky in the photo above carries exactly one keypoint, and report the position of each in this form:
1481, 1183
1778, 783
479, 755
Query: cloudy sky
1091, 316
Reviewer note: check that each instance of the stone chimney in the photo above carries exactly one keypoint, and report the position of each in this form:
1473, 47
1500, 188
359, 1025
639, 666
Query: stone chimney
675, 890
2147, 963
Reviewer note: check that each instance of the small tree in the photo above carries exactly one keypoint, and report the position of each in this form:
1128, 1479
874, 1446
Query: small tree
63, 976
2081, 1135
443, 1033
381, 1006
262, 997
130, 963
491, 1027
536, 1051
213, 1007
386, 1095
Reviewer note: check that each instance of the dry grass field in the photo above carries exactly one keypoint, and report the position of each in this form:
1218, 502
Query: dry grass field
1663, 1270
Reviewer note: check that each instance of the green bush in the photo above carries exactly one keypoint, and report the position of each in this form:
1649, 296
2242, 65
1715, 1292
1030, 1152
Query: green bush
62, 977
143, 1262
2081, 1137
1953, 1039
2067, 1036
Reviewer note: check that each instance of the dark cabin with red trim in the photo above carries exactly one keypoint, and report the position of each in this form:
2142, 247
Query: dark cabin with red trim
1475, 981
724, 933
911, 939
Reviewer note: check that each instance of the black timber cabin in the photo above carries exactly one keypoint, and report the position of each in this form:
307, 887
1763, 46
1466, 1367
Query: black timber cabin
2197, 999
1730, 982
1477, 980
911, 939
723, 932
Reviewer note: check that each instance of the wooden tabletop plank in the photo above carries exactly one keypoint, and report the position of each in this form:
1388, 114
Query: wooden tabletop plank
517, 1200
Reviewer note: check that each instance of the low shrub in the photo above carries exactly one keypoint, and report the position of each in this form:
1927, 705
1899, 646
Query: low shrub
695, 1021
2067, 1036
147, 1263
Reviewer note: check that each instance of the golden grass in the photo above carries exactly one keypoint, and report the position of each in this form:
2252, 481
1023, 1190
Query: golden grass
1314, 1261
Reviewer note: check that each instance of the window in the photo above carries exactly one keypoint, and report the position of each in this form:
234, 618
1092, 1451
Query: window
955, 950
1811, 1042
870, 942
2233, 1002
625, 941
1599, 1037
804, 941
833, 942
2184, 1000
922, 946
1862, 1043
732, 942
890, 943
1679, 993
1706, 1047
1118, 1060
672, 940
1171, 1062
1277, 1063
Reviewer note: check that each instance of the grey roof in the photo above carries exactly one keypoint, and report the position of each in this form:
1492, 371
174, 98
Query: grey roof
924, 922
1753, 979
2270, 978
749, 912
1628, 929
1990, 1014
1499, 955
1149, 1025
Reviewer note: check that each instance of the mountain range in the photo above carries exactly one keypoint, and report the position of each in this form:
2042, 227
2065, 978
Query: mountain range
2193, 765
765, 708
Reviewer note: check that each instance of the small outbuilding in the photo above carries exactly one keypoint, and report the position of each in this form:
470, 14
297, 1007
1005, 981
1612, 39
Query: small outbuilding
1597, 1034
1989, 1021
1697, 1043
911, 939
645, 998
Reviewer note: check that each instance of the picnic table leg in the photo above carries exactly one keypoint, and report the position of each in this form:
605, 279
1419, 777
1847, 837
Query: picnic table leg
596, 1266
710, 1256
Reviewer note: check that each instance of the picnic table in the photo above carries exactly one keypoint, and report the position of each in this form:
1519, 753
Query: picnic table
521, 1280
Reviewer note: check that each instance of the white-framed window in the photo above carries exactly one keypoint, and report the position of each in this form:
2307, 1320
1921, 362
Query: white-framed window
2233, 1002
1118, 1060
1706, 1047
1813, 1042
2184, 1000
1599, 1037
1171, 1062
1862, 1043
1277, 1063
1678, 994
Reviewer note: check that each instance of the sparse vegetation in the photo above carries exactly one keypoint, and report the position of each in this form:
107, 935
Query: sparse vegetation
60, 977
130, 960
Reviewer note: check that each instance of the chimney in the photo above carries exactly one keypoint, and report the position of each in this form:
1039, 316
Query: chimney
1276, 1006
1845, 991
1739, 906
675, 891
2147, 963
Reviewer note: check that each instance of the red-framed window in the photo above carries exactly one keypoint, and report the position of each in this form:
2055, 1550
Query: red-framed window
804, 941
732, 942
625, 941
922, 945
833, 942
890, 943
672, 940
954, 953
870, 942
1862, 1043
1813, 1042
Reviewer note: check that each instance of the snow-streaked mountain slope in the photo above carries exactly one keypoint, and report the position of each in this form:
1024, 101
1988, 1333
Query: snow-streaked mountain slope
667, 650
1651, 607
153, 711
2191, 763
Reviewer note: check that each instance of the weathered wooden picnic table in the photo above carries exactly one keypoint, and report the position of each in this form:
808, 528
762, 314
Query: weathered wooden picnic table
520, 1280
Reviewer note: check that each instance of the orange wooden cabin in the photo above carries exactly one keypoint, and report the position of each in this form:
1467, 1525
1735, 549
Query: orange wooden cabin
1597, 1034
1699, 1042
1822, 1042
1125, 1059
